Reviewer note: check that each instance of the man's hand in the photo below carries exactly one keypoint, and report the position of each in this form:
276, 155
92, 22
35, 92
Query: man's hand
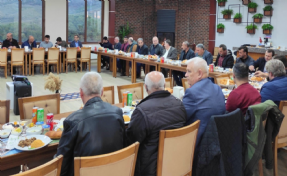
13, 46
261, 74
10, 47
251, 68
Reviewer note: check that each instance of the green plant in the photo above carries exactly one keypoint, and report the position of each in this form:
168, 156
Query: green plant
124, 30
221, 1
267, 27
238, 15
252, 5
227, 12
220, 26
258, 15
268, 8
251, 27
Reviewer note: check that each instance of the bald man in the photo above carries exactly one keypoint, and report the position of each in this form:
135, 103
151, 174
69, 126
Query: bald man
10, 42
203, 99
155, 49
31, 43
158, 111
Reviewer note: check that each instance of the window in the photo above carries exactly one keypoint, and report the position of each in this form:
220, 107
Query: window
84, 19
9, 18
31, 20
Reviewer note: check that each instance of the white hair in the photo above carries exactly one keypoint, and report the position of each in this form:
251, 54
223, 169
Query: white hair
117, 38
200, 46
91, 83
199, 63
154, 85
276, 67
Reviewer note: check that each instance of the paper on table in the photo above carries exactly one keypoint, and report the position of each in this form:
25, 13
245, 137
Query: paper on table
12, 142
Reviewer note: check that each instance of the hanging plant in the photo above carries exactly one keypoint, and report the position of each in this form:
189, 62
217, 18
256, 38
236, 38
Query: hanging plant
245, 2
237, 18
252, 7
267, 28
220, 28
268, 1
124, 30
227, 13
257, 18
268, 10
221, 3
251, 28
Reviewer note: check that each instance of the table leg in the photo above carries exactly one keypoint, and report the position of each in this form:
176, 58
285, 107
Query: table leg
99, 63
158, 68
26, 64
115, 66
128, 68
134, 75
111, 63
64, 62
30, 55
60, 56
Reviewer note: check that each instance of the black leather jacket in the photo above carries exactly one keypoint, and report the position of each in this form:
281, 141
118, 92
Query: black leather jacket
96, 129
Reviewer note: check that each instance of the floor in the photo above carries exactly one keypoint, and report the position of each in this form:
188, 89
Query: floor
71, 84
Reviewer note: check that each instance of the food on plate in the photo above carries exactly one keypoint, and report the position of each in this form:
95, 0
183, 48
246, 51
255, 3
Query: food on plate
134, 103
23, 123
126, 118
226, 96
31, 125
37, 143
101, 48
17, 130
54, 134
226, 82
169, 90
26, 142
152, 57
121, 52
259, 79
184, 62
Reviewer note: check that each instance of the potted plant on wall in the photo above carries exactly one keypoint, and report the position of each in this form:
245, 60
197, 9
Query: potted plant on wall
268, 1
124, 30
220, 28
257, 18
237, 18
245, 2
227, 13
252, 7
221, 3
268, 10
251, 28
267, 28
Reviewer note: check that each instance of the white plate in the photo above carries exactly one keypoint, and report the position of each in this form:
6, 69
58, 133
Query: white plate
34, 131
43, 138
7, 133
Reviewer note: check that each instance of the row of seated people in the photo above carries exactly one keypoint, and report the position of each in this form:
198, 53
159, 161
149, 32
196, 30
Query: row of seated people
99, 127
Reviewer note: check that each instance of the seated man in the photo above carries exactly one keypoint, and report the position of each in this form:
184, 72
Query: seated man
76, 43
143, 50
46, 43
132, 47
283, 59
244, 95
96, 129
260, 64
276, 88
186, 54
122, 63
224, 59
203, 99
10, 42
158, 111
244, 57
31, 43
169, 52
204, 54
155, 49
105, 59
60, 42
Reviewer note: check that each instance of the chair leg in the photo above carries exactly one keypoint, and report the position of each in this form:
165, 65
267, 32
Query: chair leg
76, 67
90, 65
11, 69
47, 68
23, 69
43, 68
57, 68
33, 69
66, 67
5, 69
81, 65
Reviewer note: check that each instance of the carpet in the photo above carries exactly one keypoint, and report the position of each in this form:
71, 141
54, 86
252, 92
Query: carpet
70, 96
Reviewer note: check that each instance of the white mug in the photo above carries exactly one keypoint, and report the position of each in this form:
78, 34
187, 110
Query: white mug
26, 48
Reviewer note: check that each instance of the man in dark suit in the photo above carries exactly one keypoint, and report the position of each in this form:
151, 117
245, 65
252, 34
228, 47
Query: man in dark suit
169, 52
143, 50
260, 64
105, 59
203, 99
224, 58
10, 43
186, 54
155, 49
76, 43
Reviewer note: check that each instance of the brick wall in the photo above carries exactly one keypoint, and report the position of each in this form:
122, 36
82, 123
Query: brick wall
192, 19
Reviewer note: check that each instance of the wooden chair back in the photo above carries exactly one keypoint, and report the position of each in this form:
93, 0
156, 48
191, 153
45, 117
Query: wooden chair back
86, 53
4, 111
38, 54
185, 84
52, 168
50, 103
282, 135
136, 89
109, 95
71, 53
177, 145
17, 55
121, 163
3, 56
53, 54
216, 51
168, 83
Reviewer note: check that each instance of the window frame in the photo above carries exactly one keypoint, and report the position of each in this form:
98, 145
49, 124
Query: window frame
85, 15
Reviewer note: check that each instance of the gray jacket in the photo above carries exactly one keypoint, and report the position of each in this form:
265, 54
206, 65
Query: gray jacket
207, 56
172, 54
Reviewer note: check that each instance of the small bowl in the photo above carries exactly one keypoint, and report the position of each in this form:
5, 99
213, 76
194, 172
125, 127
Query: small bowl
34, 131
5, 133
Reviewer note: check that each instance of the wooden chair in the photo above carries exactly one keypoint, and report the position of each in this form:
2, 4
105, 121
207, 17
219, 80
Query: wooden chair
121, 162
176, 150
50, 103
53, 58
17, 58
4, 112
38, 58
281, 139
136, 89
185, 83
216, 50
3, 60
85, 57
168, 83
71, 58
220, 77
109, 95
51, 168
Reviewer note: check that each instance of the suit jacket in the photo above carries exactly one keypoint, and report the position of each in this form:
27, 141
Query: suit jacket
118, 46
172, 54
158, 50
107, 45
260, 64
26, 43
201, 101
142, 50
6, 43
207, 56
190, 54
73, 44
227, 62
